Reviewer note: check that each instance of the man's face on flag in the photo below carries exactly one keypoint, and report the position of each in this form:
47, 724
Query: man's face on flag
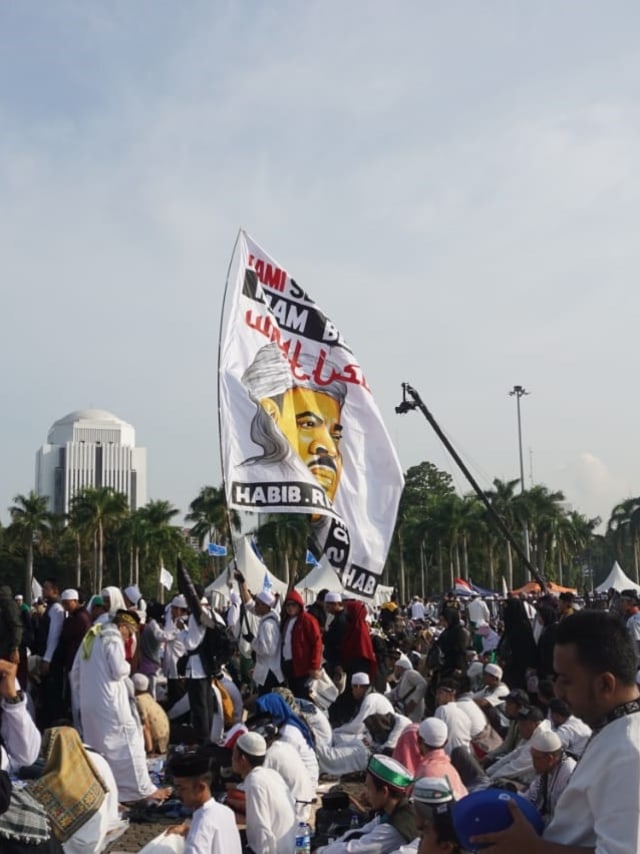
310, 420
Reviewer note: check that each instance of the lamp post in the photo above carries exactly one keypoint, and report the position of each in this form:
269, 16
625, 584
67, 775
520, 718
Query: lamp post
519, 391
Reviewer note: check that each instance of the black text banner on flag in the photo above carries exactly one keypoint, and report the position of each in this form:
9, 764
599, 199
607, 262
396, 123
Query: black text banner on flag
300, 430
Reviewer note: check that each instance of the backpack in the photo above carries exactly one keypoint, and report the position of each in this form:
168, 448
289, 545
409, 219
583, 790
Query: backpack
215, 649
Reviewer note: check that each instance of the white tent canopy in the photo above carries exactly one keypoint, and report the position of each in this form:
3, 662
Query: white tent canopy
323, 577
253, 570
618, 580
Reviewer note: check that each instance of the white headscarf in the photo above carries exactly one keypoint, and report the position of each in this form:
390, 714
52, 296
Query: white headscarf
116, 600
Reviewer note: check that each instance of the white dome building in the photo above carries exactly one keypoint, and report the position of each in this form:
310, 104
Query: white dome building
90, 447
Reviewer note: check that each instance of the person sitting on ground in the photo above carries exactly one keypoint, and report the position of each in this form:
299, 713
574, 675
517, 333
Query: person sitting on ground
79, 793
371, 703
553, 769
394, 822
514, 702
406, 751
409, 692
432, 801
292, 729
494, 691
432, 738
384, 731
573, 732
213, 826
155, 723
458, 722
285, 759
517, 766
270, 811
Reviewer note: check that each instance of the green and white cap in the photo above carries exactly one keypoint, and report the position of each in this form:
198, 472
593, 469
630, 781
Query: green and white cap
389, 771
432, 791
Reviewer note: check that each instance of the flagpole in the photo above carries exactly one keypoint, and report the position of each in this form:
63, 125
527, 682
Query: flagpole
220, 331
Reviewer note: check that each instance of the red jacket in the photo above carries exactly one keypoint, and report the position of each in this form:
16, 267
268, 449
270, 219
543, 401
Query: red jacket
306, 641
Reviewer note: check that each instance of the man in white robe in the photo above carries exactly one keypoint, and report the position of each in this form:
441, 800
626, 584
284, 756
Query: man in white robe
271, 816
99, 682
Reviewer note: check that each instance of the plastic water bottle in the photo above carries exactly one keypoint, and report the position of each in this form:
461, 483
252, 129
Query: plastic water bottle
303, 838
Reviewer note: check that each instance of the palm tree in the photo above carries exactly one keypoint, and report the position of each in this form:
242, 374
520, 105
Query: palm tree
623, 529
212, 520
285, 535
30, 523
97, 509
539, 509
502, 498
161, 537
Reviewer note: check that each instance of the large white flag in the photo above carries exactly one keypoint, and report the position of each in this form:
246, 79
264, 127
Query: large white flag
301, 432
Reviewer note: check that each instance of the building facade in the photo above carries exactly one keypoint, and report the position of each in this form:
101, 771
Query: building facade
90, 447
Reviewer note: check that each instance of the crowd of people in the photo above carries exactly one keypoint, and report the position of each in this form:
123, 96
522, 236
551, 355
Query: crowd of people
259, 711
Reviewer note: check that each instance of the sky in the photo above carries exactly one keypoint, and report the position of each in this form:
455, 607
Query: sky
455, 183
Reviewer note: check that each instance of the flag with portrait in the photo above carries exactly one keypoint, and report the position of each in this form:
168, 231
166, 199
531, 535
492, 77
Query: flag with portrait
300, 429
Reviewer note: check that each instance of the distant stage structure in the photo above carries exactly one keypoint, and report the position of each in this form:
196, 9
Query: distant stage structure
90, 447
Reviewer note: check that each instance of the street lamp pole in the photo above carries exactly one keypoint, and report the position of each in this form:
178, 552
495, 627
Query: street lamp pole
519, 391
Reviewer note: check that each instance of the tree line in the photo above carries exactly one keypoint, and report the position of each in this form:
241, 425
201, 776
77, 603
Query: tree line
439, 535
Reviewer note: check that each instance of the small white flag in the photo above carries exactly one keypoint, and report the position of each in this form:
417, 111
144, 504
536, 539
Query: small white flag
166, 579
36, 589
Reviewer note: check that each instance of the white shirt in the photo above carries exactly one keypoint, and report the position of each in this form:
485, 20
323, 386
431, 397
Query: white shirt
285, 759
574, 735
459, 726
633, 626
475, 714
266, 646
411, 688
56, 619
557, 781
417, 611
290, 734
271, 816
373, 838
287, 652
600, 808
493, 696
372, 704
478, 611
517, 765
192, 637
213, 831
20, 735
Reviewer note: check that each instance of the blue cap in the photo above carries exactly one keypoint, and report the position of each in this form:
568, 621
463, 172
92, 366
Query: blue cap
487, 811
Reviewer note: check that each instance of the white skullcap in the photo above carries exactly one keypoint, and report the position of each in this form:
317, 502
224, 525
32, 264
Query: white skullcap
404, 662
69, 594
140, 682
133, 594
266, 598
18, 596
433, 732
360, 679
332, 596
545, 740
179, 601
252, 743
493, 670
